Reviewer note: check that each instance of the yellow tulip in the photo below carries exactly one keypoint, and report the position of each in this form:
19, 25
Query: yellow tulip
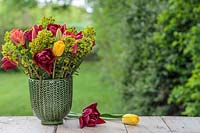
130, 119
58, 48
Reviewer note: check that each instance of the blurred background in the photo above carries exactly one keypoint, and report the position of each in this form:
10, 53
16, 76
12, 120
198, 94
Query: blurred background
146, 61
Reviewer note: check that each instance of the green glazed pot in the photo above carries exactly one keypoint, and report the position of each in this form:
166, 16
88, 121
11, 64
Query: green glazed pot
51, 100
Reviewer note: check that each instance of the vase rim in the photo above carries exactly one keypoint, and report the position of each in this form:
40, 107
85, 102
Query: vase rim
49, 79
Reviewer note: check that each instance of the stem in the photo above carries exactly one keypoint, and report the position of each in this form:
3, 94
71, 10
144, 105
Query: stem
29, 69
54, 68
37, 73
38, 76
23, 67
62, 70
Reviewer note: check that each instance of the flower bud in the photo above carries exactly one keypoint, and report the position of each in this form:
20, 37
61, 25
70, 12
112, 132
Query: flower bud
130, 119
58, 48
58, 34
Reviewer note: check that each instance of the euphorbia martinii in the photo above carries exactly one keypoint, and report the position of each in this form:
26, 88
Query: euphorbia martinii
7, 64
45, 59
90, 116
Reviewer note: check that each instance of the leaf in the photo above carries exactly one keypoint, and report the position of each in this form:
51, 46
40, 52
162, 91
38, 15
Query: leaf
111, 115
103, 116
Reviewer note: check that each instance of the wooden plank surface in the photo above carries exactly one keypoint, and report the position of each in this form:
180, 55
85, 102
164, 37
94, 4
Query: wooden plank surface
183, 124
23, 125
149, 125
165, 124
72, 126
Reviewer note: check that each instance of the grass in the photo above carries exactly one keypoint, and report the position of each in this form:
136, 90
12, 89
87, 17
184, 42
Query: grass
88, 88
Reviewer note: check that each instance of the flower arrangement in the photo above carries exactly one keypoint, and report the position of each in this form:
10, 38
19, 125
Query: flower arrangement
47, 50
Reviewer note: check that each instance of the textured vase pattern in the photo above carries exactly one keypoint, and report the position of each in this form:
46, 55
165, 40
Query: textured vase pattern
51, 100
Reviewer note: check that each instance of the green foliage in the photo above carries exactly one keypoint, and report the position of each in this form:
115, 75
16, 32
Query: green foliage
151, 51
43, 40
109, 21
126, 42
179, 40
142, 90
19, 4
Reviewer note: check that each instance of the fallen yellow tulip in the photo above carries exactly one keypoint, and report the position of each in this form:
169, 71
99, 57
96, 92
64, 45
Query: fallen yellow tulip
130, 119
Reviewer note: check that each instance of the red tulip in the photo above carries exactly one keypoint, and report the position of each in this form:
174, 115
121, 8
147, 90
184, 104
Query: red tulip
67, 33
32, 34
28, 35
76, 36
7, 64
79, 35
45, 60
54, 27
90, 116
17, 37
35, 31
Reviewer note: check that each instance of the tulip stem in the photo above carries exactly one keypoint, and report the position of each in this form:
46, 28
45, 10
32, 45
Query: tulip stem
54, 68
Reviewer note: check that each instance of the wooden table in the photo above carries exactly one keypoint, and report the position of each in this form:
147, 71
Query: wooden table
165, 124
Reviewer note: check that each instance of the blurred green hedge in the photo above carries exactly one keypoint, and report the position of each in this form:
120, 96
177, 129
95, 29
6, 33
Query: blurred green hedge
151, 53
179, 42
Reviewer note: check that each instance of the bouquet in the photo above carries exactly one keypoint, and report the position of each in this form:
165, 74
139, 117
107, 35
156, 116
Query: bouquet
47, 50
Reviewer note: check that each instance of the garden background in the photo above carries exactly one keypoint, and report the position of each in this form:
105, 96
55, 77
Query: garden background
146, 61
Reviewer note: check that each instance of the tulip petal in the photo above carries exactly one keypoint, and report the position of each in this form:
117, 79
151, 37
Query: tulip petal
7, 64
63, 28
79, 35
86, 119
92, 106
87, 111
45, 60
100, 121
81, 122
17, 37
28, 35
34, 34
74, 48
58, 48
91, 123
